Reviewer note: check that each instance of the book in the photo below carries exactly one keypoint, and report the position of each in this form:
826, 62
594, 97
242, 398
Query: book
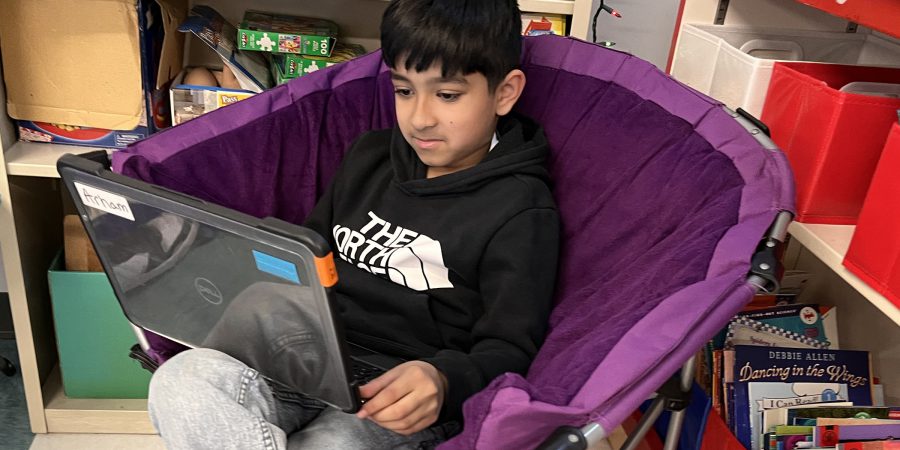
770, 395
802, 319
851, 421
831, 435
796, 416
829, 324
787, 437
791, 441
795, 365
780, 416
746, 331
870, 445
717, 384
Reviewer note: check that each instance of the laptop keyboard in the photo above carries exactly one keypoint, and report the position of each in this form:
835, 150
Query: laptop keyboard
363, 372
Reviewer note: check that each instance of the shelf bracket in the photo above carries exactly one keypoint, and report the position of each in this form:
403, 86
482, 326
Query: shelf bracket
721, 11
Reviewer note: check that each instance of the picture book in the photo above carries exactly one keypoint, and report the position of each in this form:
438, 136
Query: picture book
771, 395
822, 421
779, 416
785, 437
831, 435
806, 416
746, 331
870, 445
796, 365
802, 319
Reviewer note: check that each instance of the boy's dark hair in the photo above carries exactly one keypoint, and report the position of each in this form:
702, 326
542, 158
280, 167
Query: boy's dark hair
464, 36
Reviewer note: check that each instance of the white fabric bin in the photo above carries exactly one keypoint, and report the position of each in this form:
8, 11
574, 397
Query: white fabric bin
734, 64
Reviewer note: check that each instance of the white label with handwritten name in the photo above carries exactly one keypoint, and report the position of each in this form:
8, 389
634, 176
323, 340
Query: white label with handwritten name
104, 201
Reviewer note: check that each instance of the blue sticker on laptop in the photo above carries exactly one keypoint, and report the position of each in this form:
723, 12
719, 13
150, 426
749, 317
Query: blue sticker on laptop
276, 266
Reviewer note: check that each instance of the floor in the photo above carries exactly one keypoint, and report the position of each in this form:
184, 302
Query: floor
15, 432
14, 428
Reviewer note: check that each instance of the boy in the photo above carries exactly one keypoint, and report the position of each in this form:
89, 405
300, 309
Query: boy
447, 238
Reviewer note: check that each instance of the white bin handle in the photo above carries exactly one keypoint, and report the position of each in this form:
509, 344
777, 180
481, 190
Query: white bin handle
790, 50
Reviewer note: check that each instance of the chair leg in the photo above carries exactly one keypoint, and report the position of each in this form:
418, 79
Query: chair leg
673, 434
7, 367
637, 436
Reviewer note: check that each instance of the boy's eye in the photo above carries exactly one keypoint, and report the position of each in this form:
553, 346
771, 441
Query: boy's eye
403, 92
448, 96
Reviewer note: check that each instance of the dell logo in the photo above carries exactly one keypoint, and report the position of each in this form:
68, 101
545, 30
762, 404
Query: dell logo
208, 291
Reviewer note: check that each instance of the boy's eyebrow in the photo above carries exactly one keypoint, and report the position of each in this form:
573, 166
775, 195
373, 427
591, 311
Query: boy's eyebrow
454, 79
436, 80
397, 77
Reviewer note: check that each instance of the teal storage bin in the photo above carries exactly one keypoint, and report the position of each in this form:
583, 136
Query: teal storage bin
93, 337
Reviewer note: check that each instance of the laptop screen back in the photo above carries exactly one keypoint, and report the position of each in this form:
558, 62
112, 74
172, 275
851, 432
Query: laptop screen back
206, 280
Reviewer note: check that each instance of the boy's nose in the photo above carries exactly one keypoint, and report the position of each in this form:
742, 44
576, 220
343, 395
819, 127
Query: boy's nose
422, 115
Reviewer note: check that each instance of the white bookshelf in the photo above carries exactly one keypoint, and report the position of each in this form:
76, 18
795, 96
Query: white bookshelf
31, 228
829, 243
548, 6
33, 159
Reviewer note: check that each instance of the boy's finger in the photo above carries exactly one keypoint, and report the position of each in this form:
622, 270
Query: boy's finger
384, 398
375, 386
399, 410
420, 425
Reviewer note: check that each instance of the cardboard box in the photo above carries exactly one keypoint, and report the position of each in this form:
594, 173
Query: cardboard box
251, 69
293, 66
190, 101
75, 135
278, 33
278, 74
77, 247
111, 61
93, 337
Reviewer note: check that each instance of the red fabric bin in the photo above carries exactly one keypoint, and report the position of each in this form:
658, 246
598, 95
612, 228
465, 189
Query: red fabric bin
832, 139
874, 254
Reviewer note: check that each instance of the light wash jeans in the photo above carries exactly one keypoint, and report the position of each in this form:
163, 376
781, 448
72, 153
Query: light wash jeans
204, 398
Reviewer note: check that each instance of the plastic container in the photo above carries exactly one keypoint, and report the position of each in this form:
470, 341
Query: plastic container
833, 139
734, 64
93, 337
874, 253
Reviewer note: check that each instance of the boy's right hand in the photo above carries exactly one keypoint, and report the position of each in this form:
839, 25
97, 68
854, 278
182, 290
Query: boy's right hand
405, 399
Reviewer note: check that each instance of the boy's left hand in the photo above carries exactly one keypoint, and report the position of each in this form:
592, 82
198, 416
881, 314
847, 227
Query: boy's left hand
405, 399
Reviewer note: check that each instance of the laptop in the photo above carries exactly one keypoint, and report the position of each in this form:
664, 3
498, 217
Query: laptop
260, 290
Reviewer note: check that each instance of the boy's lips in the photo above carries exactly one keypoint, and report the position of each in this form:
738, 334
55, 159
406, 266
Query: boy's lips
426, 143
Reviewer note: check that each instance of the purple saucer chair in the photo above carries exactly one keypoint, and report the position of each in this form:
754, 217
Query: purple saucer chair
672, 209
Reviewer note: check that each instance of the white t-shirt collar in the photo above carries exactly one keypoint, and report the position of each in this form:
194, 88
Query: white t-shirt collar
494, 142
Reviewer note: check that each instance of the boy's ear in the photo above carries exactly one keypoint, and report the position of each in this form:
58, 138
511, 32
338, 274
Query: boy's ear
508, 91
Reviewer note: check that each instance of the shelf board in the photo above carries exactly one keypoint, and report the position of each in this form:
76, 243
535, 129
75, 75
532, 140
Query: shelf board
881, 15
548, 6
92, 415
829, 243
35, 159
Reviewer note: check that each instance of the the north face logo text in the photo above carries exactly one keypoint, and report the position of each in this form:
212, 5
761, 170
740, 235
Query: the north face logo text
405, 256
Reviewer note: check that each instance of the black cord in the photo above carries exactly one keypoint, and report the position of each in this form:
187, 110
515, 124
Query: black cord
594, 21
608, 9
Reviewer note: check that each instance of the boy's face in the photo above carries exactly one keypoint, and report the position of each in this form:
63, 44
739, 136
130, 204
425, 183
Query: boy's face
449, 122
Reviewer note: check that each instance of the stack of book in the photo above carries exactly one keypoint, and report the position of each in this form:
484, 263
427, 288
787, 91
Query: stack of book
778, 377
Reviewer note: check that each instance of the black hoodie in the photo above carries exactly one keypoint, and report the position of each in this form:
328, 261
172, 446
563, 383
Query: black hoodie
456, 270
